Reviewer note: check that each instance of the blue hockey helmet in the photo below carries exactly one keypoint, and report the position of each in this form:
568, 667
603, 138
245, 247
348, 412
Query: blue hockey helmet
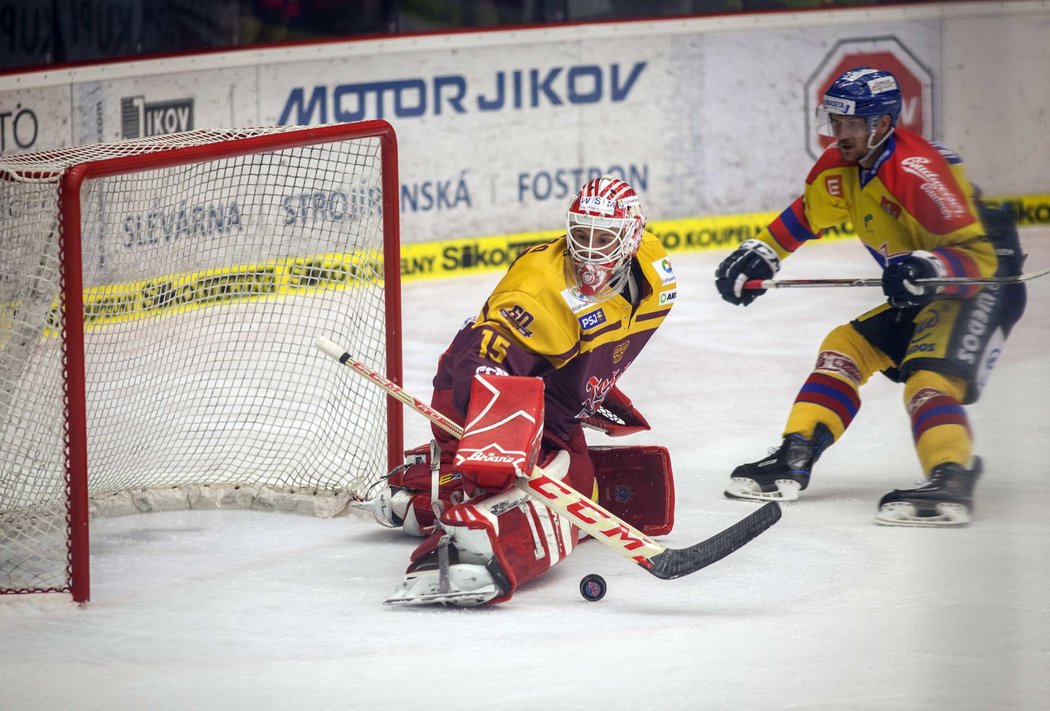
863, 91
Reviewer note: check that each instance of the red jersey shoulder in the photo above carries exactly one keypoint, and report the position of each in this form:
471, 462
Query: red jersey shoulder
918, 176
829, 160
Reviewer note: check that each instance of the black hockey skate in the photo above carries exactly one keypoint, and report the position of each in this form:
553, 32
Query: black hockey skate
782, 474
945, 500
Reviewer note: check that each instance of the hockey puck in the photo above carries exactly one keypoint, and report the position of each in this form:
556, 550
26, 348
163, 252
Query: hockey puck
593, 587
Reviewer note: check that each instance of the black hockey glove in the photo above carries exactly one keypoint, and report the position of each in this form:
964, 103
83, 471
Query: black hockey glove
753, 260
898, 280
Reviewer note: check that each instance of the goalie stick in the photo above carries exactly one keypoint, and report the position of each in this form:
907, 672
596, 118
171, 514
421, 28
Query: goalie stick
665, 563
935, 281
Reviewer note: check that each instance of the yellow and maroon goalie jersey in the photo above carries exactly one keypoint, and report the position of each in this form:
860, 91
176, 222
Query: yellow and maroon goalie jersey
915, 197
533, 325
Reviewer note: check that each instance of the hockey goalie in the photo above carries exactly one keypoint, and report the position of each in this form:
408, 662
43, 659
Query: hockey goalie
539, 363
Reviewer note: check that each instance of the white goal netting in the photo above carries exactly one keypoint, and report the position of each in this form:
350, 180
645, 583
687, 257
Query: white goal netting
208, 268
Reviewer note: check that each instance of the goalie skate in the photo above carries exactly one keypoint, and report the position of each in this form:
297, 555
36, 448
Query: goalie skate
438, 582
389, 506
413, 495
468, 585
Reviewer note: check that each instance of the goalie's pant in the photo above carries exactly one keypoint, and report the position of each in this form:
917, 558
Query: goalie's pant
943, 352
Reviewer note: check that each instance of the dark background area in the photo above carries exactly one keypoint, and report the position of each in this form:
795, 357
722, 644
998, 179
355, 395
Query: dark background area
40, 33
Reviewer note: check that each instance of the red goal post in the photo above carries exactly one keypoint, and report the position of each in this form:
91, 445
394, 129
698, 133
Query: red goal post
158, 304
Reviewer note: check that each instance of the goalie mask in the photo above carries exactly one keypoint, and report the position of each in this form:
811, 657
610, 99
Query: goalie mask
604, 230
864, 93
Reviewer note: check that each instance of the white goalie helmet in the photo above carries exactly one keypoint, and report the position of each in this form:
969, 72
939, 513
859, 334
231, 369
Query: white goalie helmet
603, 232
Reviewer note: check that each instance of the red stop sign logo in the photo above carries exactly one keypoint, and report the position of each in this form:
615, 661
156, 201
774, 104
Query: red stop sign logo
889, 55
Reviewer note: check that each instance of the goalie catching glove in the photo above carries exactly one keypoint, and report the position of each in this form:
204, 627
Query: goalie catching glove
753, 260
616, 416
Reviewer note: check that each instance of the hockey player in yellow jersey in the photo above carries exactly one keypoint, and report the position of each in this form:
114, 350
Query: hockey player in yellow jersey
914, 210
572, 314
561, 315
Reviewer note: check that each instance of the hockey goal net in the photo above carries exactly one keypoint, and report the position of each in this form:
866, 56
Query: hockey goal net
159, 300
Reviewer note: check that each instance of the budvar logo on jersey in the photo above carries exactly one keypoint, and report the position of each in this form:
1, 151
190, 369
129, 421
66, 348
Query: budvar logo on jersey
449, 94
885, 53
946, 199
140, 118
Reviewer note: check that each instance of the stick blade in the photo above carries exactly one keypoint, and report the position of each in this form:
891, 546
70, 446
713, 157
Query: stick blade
677, 562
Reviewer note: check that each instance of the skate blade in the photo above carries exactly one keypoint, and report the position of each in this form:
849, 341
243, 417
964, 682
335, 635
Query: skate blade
434, 587
902, 513
473, 598
748, 490
377, 508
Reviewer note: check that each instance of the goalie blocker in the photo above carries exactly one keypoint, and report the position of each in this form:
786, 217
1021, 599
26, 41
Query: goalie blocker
501, 438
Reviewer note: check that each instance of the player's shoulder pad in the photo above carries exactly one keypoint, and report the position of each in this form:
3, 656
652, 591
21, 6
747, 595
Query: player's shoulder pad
550, 251
534, 314
654, 260
830, 159
651, 247
947, 153
910, 143
920, 175
538, 269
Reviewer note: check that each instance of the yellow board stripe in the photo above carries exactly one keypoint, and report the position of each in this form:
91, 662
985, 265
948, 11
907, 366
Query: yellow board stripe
120, 303
480, 255
178, 293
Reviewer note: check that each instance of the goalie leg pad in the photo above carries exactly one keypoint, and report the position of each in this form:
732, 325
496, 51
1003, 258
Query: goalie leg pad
636, 484
510, 537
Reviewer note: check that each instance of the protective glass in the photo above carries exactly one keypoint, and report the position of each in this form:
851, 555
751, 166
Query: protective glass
838, 125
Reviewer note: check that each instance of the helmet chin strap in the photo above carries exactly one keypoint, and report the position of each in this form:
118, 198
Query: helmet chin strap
877, 146
632, 287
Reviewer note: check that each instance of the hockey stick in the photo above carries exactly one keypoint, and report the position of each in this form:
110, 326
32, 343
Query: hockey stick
665, 563
945, 281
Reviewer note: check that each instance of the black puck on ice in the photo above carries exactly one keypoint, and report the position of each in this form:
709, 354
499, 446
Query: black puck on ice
593, 587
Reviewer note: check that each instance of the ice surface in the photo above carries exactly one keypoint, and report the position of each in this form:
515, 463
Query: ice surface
248, 610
